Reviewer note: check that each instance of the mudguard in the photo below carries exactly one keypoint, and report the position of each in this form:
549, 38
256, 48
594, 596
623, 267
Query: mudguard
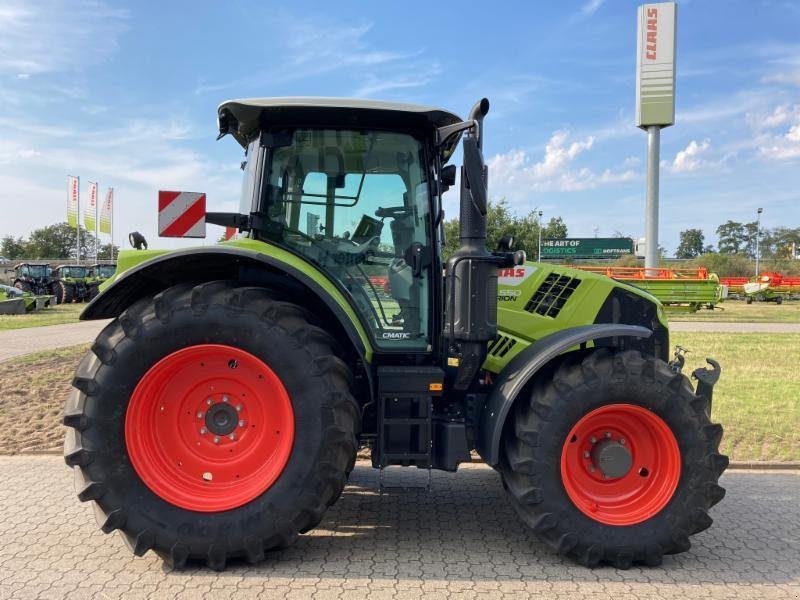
221, 262
522, 369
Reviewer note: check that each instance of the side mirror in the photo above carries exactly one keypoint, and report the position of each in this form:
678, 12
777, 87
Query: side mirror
505, 243
448, 177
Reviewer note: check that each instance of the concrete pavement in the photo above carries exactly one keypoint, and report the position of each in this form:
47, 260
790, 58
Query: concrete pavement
18, 342
462, 540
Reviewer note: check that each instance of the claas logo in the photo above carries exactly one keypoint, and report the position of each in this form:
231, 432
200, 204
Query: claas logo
518, 272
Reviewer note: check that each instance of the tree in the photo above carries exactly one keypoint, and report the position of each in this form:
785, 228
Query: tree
691, 243
778, 242
12, 248
731, 237
58, 241
555, 229
105, 252
502, 221
749, 233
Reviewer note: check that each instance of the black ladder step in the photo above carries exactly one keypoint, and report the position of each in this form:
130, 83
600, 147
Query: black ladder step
409, 456
404, 421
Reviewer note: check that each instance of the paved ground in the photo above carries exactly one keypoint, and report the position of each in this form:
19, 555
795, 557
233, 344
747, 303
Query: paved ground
698, 326
17, 342
462, 540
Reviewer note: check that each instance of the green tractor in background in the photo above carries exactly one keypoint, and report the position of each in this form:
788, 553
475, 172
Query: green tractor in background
97, 274
71, 283
33, 278
219, 414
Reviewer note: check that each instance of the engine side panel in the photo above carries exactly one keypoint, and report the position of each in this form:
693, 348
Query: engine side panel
536, 300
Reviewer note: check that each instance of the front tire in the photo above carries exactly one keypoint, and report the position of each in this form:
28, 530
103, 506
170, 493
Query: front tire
152, 371
613, 460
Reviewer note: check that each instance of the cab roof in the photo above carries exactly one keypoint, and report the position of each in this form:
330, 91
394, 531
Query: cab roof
242, 118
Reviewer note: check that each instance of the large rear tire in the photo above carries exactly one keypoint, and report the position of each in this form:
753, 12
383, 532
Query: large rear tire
64, 292
613, 460
209, 423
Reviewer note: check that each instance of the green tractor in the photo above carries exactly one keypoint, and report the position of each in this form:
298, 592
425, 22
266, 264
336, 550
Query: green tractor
71, 283
34, 278
218, 415
97, 274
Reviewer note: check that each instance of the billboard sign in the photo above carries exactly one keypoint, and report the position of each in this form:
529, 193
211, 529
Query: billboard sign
572, 248
655, 64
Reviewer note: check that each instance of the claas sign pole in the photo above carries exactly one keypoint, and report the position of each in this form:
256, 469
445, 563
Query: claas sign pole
655, 101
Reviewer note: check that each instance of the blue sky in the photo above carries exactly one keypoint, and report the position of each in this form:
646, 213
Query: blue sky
126, 94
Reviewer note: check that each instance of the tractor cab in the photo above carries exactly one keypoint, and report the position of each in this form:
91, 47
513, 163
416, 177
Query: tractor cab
353, 190
32, 277
71, 272
101, 271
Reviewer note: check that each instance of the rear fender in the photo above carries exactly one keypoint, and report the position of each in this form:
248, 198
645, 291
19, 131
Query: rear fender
521, 370
197, 265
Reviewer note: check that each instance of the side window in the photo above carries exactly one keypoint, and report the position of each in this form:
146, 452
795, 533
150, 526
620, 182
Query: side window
356, 203
250, 180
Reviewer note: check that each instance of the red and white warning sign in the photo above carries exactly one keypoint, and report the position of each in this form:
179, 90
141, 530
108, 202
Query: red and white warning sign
181, 214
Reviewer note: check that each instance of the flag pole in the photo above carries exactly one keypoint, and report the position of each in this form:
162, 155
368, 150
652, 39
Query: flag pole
97, 223
78, 223
112, 223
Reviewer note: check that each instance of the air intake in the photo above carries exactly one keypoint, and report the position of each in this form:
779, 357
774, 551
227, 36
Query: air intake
501, 346
552, 295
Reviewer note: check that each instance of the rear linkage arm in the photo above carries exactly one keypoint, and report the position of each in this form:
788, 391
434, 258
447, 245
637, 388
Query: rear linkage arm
706, 378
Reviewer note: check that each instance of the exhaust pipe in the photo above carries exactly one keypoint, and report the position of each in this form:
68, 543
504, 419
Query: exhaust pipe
471, 276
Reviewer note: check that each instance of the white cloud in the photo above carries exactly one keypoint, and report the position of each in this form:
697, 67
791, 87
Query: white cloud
591, 7
780, 115
690, 158
781, 147
515, 176
376, 85
137, 158
310, 49
791, 78
776, 133
50, 36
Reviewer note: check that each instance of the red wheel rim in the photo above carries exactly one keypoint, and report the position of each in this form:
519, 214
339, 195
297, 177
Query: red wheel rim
209, 428
645, 488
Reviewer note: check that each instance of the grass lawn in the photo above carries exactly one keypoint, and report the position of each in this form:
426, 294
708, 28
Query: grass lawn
737, 311
61, 313
757, 399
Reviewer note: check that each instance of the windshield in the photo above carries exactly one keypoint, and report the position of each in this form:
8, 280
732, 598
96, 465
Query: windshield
75, 272
355, 203
36, 270
106, 270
